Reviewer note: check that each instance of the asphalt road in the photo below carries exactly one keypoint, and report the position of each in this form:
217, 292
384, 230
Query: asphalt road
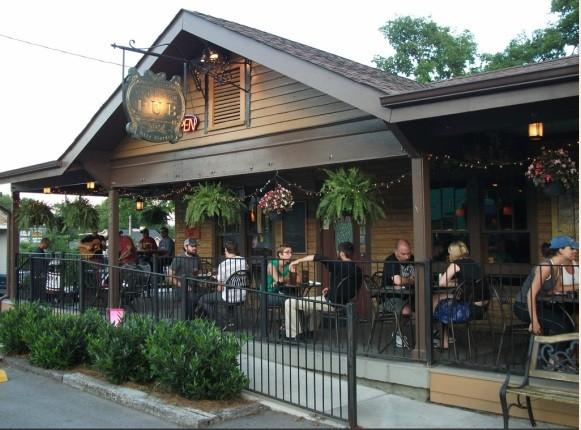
32, 401
28, 400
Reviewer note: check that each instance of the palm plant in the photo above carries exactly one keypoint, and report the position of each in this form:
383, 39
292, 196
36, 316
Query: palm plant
213, 200
79, 214
32, 213
348, 192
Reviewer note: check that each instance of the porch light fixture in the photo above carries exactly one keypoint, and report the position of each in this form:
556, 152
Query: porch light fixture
535, 130
46, 190
139, 204
91, 185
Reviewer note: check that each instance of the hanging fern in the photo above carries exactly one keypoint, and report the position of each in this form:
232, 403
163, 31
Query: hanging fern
213, 200
348, 192
32, 213
79, 214
154, 215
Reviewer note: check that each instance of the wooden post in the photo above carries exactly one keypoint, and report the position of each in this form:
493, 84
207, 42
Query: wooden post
113, 248
422, 246
13, 246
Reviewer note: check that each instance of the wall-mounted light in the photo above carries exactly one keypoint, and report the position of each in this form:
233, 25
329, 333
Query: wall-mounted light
91, 185
460, 212
535, 130
139, 204
507, 210
46, 190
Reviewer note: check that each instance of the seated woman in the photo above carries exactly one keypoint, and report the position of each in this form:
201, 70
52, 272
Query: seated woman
466, 272
278, 273
547, 279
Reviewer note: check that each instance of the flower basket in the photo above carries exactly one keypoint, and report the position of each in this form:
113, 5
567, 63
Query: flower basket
553, 170
276, 201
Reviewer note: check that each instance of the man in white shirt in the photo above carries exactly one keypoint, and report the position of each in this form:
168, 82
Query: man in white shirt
225, 293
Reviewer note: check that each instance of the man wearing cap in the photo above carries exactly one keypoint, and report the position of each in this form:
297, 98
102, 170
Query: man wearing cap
547, 279
186, 264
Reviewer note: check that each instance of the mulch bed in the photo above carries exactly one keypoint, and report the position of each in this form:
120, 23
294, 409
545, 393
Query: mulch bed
171, 398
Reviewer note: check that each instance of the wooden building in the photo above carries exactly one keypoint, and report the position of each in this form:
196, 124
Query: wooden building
449, 157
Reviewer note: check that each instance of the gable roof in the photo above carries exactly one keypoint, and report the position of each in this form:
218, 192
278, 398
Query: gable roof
357, 72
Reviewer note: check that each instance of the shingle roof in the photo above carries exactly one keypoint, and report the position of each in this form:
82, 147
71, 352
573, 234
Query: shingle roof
357, 72
510, 71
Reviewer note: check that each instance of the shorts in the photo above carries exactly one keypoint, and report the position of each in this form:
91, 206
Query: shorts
393, 304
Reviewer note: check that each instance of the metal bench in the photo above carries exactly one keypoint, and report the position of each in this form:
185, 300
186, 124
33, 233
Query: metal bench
551, 373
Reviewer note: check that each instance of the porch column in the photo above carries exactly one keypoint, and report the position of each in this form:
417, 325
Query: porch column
13, 246
113, 248
422, 246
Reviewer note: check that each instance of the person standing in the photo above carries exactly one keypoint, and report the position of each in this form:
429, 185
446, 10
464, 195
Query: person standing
146, 245
344, 281
127, 251
166, 249
39, 270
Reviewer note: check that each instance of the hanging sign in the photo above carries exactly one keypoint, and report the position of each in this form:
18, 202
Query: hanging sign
155, 106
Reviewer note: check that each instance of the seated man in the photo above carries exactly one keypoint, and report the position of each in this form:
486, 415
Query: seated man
187, 264
127, 251
232, 264
344, 281
398, 272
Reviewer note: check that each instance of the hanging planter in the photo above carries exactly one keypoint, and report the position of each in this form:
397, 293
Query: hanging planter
348, 192
213, 201
32, 213
78, 215
554, 171
554, 189
277, 201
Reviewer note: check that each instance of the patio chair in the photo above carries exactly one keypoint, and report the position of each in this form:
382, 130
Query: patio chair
239, 279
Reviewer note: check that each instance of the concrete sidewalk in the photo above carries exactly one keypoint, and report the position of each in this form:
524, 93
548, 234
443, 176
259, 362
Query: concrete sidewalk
376, 409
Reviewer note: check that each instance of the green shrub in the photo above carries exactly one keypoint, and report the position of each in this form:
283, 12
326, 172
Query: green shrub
196, 360
91, 321
59, 342
18, 325
118, 352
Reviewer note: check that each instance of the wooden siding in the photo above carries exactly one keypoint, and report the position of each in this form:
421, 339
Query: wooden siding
479, 391
543, 225
277, 104
206, 240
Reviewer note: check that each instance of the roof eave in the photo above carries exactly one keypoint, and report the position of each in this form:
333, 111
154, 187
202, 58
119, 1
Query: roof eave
498, 84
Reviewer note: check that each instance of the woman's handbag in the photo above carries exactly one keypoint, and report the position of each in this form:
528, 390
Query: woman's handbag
452, 310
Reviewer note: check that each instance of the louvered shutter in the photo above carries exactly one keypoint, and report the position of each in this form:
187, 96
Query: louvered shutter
227, 101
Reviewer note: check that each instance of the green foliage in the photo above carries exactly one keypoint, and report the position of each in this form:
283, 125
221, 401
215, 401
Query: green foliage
78, 215
425, 50
60, 341
119, 353
196, 360
32, 213
213, 200
5, 202
154, 215
349, 192
18, 325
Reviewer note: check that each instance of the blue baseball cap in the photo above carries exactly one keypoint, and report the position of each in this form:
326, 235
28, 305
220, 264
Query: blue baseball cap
559, 242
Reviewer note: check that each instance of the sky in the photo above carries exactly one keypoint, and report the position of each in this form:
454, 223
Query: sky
48, 96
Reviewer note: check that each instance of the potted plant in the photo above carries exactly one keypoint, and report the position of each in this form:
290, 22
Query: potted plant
554, 171
31, 213
154, 215
79, 214
277, 201
348, 192
213, 200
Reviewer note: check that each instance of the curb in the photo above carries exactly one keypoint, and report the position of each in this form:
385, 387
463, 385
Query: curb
135, 399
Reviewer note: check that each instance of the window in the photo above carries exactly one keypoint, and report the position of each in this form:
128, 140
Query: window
294, 229
505, 236
449, 215
227, 107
